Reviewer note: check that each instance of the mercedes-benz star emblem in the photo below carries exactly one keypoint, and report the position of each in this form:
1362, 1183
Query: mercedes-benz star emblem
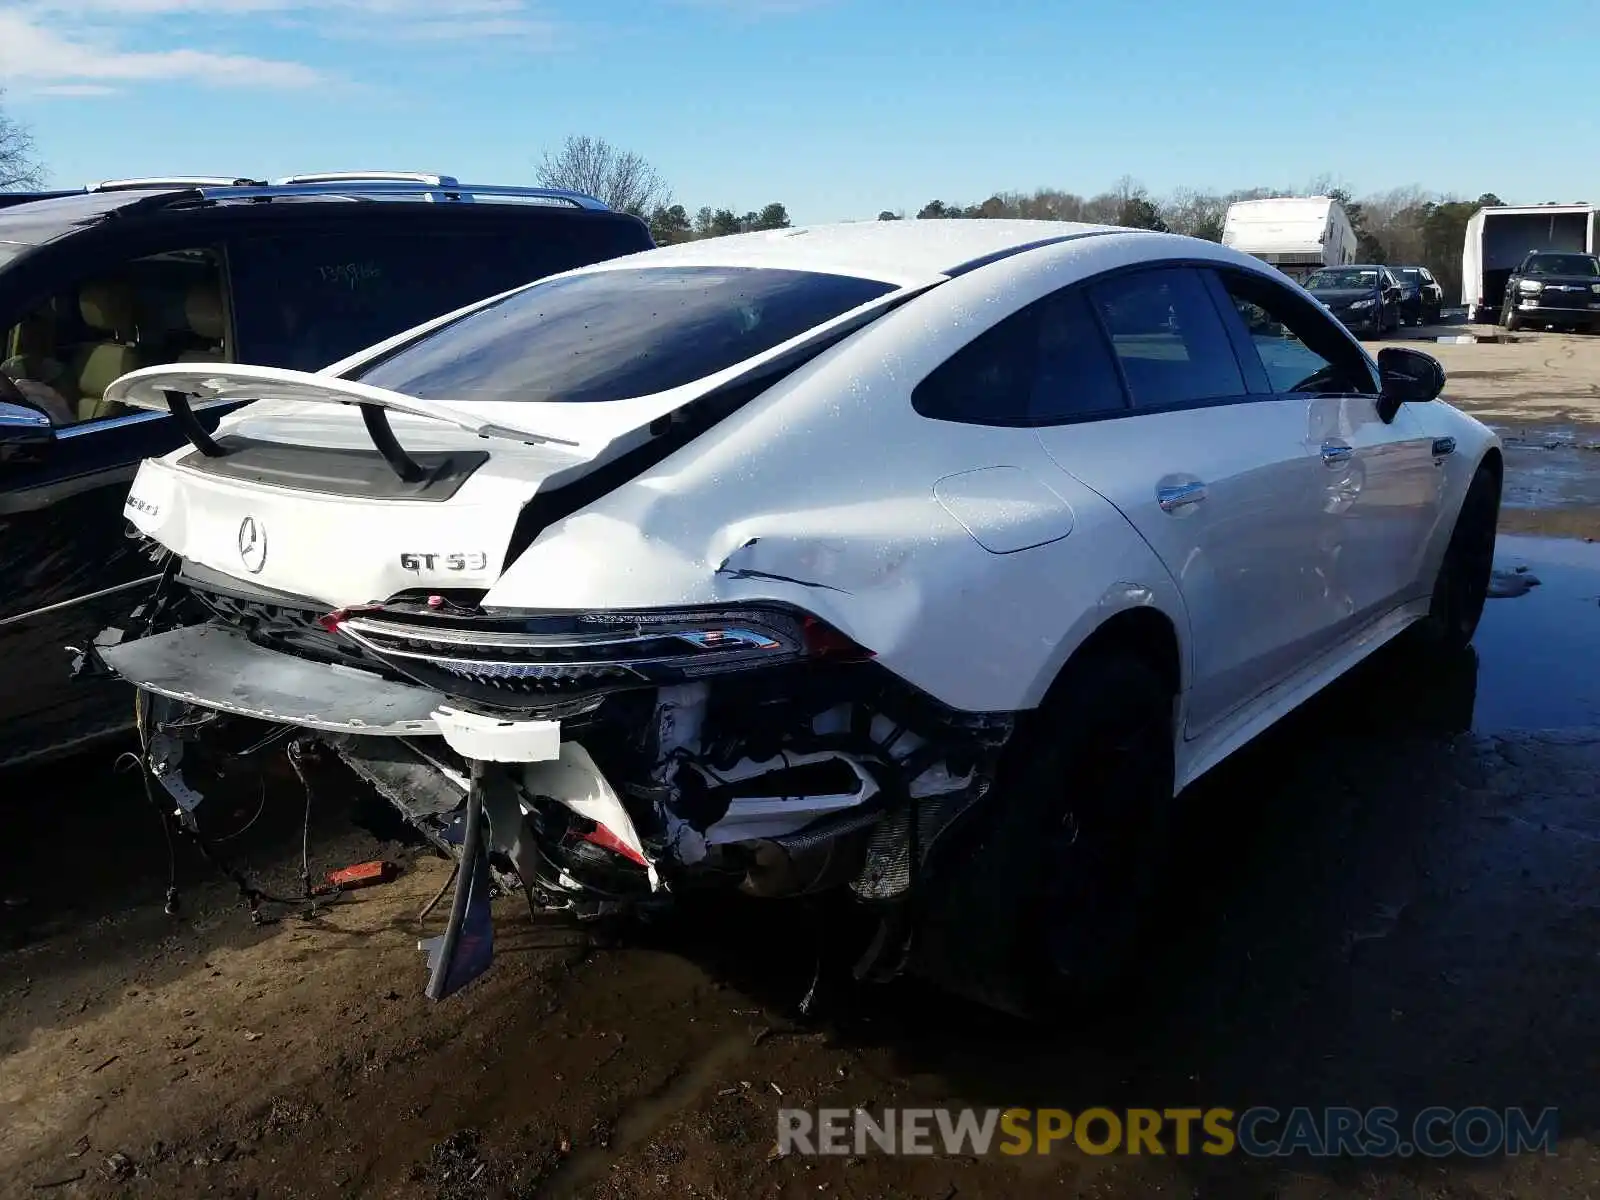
252, 545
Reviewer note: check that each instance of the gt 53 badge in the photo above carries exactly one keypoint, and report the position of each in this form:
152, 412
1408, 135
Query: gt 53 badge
475, 560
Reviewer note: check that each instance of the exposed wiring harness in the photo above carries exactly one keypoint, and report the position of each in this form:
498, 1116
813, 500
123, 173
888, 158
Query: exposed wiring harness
253, 895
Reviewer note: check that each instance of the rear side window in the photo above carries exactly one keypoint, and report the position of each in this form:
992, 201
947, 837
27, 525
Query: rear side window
611, 335
306, 301
1046, 363
1167, 335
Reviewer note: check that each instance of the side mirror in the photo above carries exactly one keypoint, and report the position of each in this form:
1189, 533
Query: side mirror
24, 427
1406, 376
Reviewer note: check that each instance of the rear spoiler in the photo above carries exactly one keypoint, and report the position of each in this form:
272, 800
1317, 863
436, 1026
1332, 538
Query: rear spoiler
183, 389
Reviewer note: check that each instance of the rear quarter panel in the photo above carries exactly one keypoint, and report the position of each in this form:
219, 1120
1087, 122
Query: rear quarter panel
821, 493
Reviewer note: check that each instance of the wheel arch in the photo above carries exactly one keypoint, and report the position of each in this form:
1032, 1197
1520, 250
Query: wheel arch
1144, 632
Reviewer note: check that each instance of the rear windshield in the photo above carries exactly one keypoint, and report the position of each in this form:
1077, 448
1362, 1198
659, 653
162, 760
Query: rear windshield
611, 335
1562, 264
1348, 278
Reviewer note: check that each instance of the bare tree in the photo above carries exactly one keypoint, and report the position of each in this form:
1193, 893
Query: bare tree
19, 169
624, 180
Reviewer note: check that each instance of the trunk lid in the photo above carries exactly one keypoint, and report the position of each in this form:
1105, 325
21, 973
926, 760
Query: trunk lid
304, 503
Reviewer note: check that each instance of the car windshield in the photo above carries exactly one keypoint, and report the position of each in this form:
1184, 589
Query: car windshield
1562, 264
1409, 275
615, 334
1350, 277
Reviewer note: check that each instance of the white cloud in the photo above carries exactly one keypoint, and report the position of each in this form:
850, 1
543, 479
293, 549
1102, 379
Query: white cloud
33, 54
758, 8
63, 47
76, 89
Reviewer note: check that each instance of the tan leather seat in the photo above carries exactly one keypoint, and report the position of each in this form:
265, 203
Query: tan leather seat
107, 308
202, 308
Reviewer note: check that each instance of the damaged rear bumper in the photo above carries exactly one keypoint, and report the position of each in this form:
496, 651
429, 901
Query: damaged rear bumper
777, 782
215, 667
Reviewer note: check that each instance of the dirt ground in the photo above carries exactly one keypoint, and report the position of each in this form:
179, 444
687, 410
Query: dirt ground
1391, 899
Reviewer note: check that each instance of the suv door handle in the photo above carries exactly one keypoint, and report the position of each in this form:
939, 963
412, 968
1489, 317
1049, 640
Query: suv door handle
1173, 498
1334, 453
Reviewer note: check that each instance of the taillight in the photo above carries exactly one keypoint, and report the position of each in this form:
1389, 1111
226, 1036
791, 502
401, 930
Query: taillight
542, 653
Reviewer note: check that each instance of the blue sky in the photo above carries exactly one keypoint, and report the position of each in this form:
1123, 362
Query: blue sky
838, 108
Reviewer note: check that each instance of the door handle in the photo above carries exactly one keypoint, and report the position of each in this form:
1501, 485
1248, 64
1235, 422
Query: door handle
1173, 498
1334, 453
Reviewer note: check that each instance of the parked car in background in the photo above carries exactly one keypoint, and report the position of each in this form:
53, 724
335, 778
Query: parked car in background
132, 273
1422, 299
1365, 297
922, 561
1553, 287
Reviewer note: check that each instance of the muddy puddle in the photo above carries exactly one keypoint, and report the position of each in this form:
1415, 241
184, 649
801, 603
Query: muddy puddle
1552, 482
1539, 643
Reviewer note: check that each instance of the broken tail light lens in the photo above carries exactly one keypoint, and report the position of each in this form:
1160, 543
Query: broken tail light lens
542, 653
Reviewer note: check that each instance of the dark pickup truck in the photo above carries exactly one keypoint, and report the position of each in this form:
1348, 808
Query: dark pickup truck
1553, 287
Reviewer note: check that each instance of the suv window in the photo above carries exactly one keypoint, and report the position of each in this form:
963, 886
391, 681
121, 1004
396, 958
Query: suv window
307, 301
1300, 350
163, 308
1561, 264
1046, 363
615, 334
1168, 337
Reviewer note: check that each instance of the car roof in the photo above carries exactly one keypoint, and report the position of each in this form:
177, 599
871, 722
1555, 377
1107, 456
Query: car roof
895, 251
41, 221
37, 222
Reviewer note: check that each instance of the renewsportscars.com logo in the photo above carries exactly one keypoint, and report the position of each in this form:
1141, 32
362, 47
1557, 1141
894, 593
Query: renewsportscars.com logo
1258, 1132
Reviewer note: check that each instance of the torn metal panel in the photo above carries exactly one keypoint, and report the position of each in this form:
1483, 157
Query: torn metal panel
574, 781
217, 667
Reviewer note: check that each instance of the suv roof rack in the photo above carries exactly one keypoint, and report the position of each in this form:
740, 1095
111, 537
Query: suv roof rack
431, 189
171, 181
369, 176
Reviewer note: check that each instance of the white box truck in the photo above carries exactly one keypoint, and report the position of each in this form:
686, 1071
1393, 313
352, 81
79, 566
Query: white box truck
1498, 239
1296, 234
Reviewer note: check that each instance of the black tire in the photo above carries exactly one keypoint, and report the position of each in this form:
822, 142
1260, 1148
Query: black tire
1037, 903
1508, 319
1462, 585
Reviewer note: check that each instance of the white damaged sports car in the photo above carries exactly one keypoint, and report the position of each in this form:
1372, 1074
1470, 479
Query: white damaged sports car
927, 560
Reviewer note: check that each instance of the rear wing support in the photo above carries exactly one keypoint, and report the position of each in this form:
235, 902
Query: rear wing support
183, 414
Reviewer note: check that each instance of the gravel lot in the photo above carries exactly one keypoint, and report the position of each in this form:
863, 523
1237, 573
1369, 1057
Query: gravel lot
1394, 898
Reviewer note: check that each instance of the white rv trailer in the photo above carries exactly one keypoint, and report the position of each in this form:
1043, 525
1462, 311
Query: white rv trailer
1296, 234
1498, 239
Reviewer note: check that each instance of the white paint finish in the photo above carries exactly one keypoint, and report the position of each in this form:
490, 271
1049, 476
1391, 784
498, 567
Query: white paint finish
1244, 557
341, 550
1378, 510
493, 739
1005, 509
825, 492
